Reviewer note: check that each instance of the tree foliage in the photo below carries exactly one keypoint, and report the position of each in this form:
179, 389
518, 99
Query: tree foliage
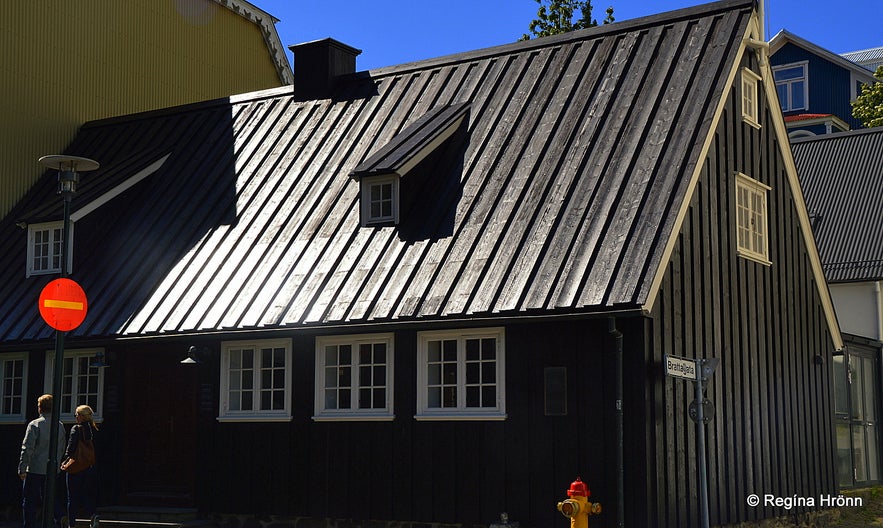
868, 107
560, 16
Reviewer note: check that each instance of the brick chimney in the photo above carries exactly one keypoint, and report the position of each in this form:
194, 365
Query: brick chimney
317, 65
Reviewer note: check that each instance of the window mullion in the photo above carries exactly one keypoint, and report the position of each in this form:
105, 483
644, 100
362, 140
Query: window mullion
461, 373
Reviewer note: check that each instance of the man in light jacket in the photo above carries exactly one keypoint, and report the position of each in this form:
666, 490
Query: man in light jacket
34, 459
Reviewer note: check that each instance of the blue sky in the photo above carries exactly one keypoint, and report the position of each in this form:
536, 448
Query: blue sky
391, 32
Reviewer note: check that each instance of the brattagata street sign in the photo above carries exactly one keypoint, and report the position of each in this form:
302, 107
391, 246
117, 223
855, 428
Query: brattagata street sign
680, 367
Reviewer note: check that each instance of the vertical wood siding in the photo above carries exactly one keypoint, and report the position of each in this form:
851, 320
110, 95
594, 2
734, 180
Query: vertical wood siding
772, 432
426, 471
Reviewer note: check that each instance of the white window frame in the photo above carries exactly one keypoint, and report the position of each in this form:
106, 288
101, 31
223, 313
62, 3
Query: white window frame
255, 414
788, 106
7, 393
78, 360
750, 98
54, 247
461, 411
367, 184
752, 223
353, 368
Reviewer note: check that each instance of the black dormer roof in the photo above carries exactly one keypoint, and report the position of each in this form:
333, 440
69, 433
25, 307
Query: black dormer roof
414, 142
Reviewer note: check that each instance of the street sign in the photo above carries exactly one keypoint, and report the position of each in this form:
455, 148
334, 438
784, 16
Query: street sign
63, 304
701, 411
680, 367
707, 410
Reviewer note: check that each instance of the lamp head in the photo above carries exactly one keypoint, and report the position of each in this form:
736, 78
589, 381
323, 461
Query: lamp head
68, 168
191, 357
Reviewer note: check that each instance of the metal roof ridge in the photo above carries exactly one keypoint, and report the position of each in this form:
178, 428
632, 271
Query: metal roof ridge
876, 49
190, 107
838, 135
626, 26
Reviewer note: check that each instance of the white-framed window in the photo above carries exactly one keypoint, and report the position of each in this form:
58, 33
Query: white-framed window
44, 248
792, 86
461, 375
13, 387
380, 199
256, 380
354, 377
751, 219
81, 383
750, 101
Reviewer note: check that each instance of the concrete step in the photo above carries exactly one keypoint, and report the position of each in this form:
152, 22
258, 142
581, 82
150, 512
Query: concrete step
146, 517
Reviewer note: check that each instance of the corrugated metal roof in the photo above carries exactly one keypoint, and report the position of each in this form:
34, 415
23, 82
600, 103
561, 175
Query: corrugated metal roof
842, 177
560, 198
869, 58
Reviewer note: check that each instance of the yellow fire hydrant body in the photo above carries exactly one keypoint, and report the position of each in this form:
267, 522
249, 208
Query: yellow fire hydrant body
577, 506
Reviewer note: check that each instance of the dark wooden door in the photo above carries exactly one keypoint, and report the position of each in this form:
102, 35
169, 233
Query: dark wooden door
160, 430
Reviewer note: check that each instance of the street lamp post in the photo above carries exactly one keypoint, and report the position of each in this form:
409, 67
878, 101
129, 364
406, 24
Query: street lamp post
68, 177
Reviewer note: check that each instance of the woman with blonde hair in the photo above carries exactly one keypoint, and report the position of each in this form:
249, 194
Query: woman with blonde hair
81, 488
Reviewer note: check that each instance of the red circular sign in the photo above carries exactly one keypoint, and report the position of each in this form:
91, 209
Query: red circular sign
63, 304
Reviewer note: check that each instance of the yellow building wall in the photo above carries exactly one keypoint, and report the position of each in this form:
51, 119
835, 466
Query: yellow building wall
68, 62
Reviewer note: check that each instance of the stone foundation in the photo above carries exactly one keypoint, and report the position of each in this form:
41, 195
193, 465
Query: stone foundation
272, 521
815, 519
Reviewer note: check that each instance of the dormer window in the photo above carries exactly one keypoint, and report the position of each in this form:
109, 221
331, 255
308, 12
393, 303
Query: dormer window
380, 203
380, 175
45, 238
44, 248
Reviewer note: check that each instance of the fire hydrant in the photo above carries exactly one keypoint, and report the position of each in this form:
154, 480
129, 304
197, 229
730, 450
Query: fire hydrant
578, 507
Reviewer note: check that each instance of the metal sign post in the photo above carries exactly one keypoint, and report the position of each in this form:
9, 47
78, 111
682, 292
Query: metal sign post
701, 411
57, 313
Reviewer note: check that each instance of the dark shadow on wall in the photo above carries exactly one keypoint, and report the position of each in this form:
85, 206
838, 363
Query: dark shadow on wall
431, 191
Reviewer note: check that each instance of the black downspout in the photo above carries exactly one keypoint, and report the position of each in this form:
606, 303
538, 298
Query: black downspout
620, 468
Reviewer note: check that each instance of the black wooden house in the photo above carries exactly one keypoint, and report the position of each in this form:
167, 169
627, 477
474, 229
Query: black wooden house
407, 289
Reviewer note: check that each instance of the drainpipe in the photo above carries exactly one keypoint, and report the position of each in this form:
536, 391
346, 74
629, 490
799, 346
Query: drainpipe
620, 470
879, 310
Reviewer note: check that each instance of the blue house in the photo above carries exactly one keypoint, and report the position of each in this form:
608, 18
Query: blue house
815, 86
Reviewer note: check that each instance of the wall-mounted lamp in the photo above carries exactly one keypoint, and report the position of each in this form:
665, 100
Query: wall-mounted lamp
195, 355
98, 360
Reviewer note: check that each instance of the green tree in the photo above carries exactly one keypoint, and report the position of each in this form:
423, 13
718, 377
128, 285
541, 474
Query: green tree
560, 16
868, 107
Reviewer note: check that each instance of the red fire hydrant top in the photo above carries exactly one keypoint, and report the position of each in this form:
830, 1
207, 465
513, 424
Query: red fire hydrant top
578, 488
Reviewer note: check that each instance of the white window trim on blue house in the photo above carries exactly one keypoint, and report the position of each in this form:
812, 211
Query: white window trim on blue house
789, 86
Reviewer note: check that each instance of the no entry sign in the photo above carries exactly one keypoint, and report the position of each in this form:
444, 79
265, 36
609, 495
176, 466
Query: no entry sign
63, 304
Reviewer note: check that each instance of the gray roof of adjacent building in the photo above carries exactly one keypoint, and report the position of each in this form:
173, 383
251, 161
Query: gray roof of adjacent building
870, 58
843, 184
